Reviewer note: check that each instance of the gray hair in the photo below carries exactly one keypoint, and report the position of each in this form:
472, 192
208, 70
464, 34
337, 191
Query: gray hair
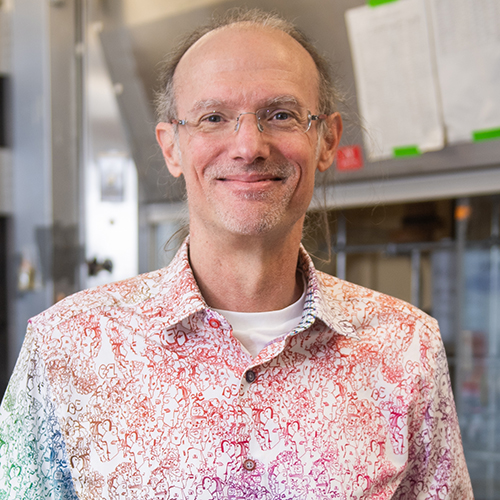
166, 107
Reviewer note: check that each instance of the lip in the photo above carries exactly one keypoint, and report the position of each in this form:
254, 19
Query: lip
250, 187
250, 178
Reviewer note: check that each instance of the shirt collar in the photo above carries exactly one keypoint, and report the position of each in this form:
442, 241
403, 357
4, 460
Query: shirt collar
321, 301
182, 292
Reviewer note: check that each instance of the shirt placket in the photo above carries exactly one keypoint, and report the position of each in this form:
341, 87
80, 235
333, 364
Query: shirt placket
250, 373
249, 386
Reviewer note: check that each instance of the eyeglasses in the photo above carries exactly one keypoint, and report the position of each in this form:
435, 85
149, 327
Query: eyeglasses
273, 121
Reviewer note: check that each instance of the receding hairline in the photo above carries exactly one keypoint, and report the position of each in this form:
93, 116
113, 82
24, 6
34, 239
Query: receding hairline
244, 26
165, 96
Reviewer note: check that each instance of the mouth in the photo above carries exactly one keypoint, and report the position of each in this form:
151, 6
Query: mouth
260, 178
251, 179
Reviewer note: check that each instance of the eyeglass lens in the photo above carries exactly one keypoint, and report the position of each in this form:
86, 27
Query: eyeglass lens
268, 120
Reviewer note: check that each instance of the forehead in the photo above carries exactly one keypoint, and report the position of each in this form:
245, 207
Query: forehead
243, 65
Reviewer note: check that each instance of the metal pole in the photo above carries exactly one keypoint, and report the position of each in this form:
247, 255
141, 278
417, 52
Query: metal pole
491, 357
341, 244
415, 277
81, 131
462, 214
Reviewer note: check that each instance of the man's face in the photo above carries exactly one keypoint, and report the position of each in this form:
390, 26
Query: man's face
248, 182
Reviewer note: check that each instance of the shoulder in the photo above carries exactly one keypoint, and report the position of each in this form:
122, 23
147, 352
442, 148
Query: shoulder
356, 298
388, 324
126, 294
387, 332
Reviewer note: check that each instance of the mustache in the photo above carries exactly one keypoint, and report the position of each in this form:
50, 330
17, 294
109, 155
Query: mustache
273, 168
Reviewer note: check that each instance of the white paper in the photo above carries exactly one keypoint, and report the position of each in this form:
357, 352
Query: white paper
395, 77
467, 40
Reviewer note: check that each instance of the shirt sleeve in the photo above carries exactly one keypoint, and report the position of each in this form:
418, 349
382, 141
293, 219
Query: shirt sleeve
33, 459
436, 464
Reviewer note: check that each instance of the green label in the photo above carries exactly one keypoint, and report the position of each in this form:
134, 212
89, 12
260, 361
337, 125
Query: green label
486, 135
376, 3
406, 151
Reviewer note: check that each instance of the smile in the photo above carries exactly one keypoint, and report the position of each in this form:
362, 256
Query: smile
250, 179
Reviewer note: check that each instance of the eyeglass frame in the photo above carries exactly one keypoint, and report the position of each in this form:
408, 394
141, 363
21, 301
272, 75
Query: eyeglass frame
260, 128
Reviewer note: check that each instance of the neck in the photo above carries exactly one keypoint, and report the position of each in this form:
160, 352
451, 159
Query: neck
246, 273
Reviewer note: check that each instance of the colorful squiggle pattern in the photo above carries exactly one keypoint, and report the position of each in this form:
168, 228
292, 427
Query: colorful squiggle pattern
137, 390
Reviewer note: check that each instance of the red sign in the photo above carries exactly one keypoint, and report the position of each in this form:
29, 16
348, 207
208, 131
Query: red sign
350, 158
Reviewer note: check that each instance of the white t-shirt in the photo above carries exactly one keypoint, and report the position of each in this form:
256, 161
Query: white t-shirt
256, 329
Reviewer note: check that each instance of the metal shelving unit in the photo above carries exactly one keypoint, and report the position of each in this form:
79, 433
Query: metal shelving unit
474, 353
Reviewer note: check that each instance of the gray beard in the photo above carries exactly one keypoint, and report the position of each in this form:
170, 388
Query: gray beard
268, 219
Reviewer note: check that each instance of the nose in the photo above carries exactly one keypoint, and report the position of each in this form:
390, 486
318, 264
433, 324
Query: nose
248, 143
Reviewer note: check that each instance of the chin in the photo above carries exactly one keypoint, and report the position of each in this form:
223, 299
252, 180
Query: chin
256, 219
255, 224
245, 228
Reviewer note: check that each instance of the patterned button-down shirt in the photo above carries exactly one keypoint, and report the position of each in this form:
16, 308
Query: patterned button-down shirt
137, 390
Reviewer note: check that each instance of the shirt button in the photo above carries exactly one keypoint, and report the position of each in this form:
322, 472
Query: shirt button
250, 376
249, 464
214, 323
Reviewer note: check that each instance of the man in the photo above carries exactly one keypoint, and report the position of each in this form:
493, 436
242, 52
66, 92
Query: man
239, 371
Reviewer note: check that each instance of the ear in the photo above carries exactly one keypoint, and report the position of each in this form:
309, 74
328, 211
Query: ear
165, 135
330, 141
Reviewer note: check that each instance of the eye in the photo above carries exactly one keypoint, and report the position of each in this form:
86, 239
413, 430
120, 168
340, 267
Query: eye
212, 118
281, 115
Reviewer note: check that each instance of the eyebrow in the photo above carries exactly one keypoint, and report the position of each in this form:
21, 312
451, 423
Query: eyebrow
280, 100
207, 104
